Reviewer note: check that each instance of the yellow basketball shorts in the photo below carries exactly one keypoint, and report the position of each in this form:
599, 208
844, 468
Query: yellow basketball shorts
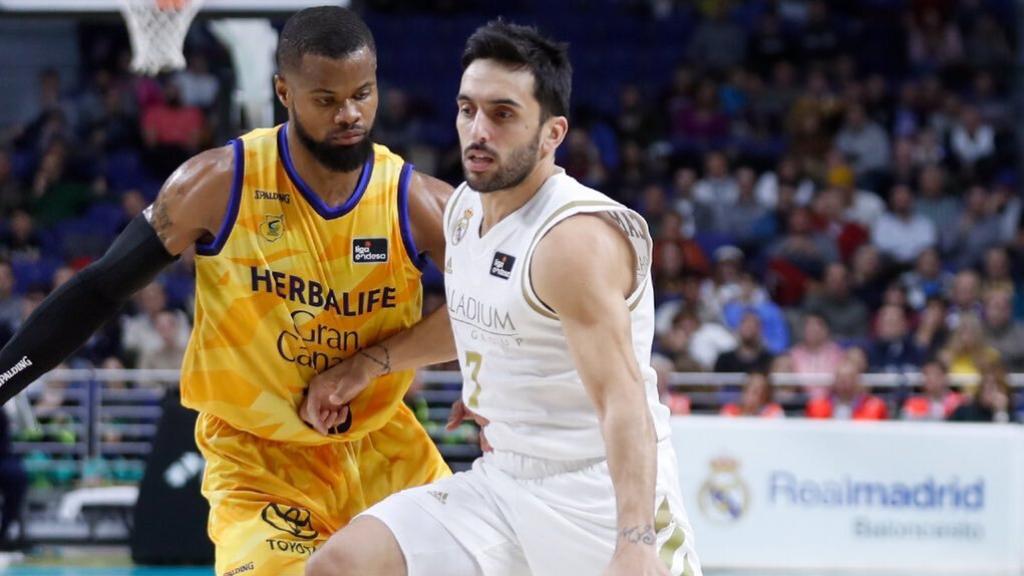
272, 504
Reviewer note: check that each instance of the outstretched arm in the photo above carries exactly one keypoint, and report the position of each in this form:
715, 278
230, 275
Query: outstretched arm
589, 294
191, 203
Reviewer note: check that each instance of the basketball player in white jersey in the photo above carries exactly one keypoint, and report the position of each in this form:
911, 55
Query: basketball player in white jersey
551, 304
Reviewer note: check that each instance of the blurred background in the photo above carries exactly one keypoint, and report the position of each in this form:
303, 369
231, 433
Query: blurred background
834, 188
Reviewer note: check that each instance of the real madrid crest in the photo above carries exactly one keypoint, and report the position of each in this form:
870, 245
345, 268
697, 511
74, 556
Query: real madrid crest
272, 227
724, 496
461, 226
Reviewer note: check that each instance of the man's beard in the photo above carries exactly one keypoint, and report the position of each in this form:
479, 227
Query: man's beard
334, 157
519, 165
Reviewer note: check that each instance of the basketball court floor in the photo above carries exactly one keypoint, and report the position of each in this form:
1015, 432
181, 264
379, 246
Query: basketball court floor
115, 562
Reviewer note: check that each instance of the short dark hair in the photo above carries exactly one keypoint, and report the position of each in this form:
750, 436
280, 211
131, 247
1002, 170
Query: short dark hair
524, 47
330, 31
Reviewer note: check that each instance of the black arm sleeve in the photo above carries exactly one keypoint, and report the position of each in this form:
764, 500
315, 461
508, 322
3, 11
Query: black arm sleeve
68, 316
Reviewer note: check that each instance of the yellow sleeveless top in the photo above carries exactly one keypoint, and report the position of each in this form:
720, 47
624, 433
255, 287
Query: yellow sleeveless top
290, 286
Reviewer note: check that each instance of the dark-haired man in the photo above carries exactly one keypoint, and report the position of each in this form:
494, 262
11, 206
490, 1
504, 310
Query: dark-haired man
308, 241
549, 293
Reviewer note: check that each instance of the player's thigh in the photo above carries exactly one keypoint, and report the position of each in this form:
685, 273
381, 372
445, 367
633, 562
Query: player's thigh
257, 537
400, 455
451, 528
365, 546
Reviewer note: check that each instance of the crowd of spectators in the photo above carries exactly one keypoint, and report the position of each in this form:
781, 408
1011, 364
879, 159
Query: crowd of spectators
833, 188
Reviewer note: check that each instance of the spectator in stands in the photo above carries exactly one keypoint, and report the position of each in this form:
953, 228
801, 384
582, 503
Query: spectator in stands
868, 279
140, 334
635, 121
847, 398
830, 220
937, 401
653, 204
678, 403
862, 207
688, 298
197, 85
13, 486
12, 194
804, 248
893, 349
172, 132
717, 43
968, 351
932, 329
964, 296
996, 271
583, 162
987, 46
978, 229
992, 400
681, 198
933, 43
787, 173
973, 142
846, 315
397, 126
170, 352
750, 353
753, 300
821, 38
817, 353
55, 118
20, 241
1001, 330
11, 304
693, 345
56, 193
132, 204
742, 220
927, 279
724, 284
718, 189
901, 234
937, 205
864, 142
768, 43
757, 399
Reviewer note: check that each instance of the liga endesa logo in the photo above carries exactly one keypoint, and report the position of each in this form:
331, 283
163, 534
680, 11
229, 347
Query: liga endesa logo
724, 496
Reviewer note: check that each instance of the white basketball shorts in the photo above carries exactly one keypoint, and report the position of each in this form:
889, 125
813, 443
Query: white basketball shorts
513, 515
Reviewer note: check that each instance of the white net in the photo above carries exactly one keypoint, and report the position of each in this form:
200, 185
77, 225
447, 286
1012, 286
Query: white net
157, 29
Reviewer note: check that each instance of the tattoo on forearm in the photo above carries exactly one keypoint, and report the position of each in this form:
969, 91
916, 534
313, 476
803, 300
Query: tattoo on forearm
383, 360
639, 535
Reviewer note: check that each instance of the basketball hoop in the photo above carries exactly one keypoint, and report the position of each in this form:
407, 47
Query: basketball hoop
157, 30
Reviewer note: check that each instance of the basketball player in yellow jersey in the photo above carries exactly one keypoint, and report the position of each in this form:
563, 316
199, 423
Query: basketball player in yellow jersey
308, 240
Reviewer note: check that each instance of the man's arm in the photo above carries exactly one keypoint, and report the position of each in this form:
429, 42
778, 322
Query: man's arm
589, 294
189, 206
428, 342
428, 197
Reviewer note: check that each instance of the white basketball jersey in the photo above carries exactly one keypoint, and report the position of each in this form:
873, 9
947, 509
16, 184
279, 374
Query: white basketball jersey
516, 367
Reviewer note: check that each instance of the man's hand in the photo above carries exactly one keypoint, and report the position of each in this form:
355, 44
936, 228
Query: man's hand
459, 413
326, 402
636, 554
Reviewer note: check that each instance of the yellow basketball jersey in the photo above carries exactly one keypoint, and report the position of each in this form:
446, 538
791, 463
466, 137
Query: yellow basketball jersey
290, 286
